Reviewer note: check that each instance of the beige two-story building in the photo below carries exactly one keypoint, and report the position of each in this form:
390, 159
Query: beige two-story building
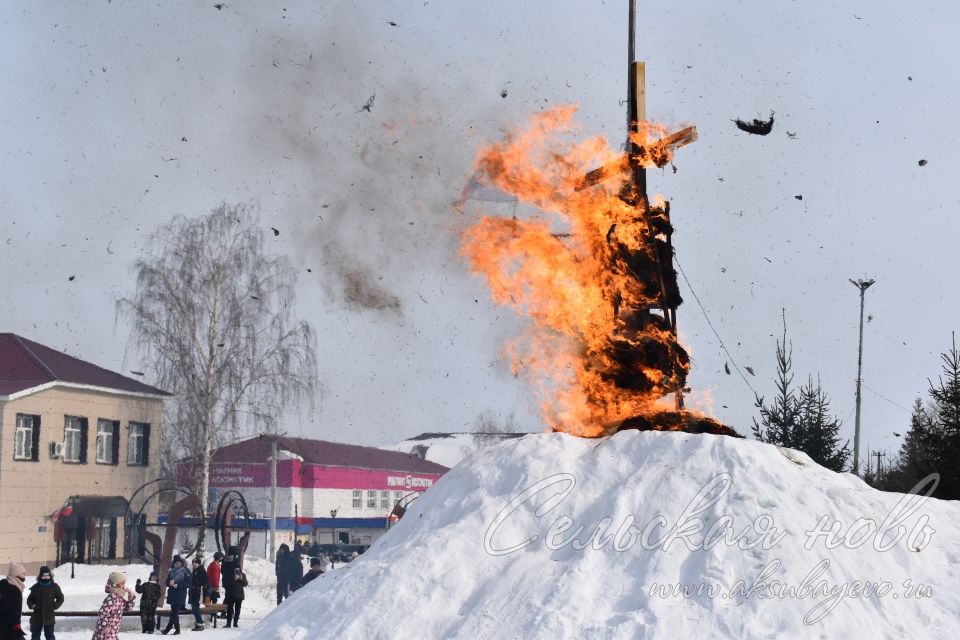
76, 441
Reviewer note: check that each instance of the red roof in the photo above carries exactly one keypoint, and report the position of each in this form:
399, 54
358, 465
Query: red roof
25, 364
332, 454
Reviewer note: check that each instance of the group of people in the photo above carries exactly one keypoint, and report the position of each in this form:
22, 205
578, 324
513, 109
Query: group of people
197, 586
44, 598
289, 569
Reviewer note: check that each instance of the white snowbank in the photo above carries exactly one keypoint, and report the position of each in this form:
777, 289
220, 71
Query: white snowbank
433, 576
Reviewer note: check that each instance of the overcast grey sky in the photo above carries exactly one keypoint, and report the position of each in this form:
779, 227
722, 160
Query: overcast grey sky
118, 115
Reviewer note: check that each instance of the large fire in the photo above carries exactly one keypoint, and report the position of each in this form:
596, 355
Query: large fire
601, 350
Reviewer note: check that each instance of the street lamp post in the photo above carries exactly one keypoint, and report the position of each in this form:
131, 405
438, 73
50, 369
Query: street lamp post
862, 285
333, 514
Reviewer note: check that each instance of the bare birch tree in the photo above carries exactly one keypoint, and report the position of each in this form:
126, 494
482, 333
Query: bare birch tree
212, 316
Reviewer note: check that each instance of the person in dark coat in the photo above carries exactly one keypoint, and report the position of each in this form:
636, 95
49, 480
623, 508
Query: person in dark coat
178, 582
284, 571
199, 588
235, 595
317, 567
230, 563
150, 591
11, 602
295, 570
44, 599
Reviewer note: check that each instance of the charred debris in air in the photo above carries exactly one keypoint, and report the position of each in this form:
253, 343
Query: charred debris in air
757, 127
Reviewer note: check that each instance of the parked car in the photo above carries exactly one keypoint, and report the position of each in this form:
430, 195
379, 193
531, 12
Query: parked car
340, 552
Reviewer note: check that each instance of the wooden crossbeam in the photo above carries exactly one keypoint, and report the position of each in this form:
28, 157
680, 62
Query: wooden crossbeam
653, 154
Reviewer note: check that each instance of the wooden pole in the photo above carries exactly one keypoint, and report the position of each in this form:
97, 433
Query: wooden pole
636, 112
863, 285
273, 499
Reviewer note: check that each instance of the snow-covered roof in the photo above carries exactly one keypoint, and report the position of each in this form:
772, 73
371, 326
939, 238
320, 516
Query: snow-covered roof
449, 449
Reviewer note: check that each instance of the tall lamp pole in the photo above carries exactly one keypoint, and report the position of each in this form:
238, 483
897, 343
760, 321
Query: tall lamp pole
273, 497
862, 285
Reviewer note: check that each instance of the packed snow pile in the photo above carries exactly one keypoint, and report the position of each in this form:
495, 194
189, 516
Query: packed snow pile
644, 535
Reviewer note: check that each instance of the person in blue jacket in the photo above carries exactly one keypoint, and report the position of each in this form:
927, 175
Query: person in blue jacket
178, 582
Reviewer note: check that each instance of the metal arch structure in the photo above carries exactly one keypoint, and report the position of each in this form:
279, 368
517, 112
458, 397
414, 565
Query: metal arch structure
400, 506
183, 503
232, 515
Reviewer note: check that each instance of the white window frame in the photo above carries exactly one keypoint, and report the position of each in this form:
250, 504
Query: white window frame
371, 499
23, 448
385, 500
135, 443
357, 499
105, 441
72, 429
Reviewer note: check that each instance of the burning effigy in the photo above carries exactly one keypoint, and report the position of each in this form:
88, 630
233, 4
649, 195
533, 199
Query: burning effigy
592, 269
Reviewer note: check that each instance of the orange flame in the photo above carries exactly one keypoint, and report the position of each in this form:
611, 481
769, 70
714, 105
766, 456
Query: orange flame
591, 367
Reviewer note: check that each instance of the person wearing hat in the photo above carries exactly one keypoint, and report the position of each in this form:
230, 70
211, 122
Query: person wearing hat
317, 567
178, 582
119, 601
11, 602
231, 561
199, 585
235, 595
150, 591
44, 599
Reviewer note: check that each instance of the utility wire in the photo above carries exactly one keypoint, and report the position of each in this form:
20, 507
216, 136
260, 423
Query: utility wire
899, 406
712, 328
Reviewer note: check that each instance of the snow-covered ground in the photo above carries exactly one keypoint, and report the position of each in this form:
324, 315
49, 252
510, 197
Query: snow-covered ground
85, 593
485, 553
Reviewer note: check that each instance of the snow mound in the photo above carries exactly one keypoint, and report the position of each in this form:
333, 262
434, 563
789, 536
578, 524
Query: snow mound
447, 569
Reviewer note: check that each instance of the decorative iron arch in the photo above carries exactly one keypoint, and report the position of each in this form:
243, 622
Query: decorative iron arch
231, 509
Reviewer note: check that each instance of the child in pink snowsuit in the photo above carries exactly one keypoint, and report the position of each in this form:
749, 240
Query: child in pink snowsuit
119, 600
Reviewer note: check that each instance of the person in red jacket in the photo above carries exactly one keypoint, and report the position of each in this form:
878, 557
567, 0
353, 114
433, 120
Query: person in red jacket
213, 576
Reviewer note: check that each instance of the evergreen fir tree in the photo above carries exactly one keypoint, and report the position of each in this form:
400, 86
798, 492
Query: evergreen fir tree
817, 432
945, 440
918, 454
778, 421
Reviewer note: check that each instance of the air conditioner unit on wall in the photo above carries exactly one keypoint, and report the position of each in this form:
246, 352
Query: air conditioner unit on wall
56, 450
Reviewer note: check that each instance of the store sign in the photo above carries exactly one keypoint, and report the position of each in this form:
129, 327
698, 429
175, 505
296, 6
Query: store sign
238, 475
409, 482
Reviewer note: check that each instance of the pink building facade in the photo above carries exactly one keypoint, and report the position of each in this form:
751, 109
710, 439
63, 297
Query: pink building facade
327, 492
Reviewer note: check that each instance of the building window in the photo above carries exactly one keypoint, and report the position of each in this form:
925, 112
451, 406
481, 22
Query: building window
371, 499
384, 499
108, 441
27, 445
75, 439
357, 499
397, 496
138, 444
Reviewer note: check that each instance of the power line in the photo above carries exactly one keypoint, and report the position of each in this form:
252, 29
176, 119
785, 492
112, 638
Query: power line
710, 324
882, 397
